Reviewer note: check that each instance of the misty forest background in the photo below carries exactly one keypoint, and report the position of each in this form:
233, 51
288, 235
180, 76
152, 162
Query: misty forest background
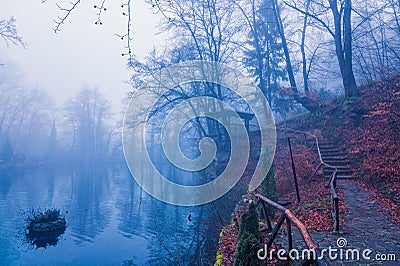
302, 54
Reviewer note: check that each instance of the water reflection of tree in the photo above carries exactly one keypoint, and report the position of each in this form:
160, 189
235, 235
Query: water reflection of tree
6, 178
90, 198
177, 240
171, 236
142, 215
128, 204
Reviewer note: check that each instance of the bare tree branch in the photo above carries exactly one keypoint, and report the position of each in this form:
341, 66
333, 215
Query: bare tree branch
101, 8
368, 17
127, 35
8, 31
68, 11
312, 16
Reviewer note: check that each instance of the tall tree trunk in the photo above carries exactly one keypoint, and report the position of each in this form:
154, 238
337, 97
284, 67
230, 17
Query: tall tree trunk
338, 35
268, 75
348, 77
303, 52
344, 55
305, 101
289, 68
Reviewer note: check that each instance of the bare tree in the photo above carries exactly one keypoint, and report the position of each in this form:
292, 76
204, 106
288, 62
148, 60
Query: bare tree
341, 32
376, 43
87, 122
25, 115
209, 29
208, 24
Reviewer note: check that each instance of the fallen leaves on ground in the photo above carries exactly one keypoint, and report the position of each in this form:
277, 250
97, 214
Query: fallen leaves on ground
314, 209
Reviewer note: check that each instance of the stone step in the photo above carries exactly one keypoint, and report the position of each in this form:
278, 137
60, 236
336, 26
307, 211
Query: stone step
339, 172
343, 177
339, 167
327, 158
326, 146
339, 153
335, 158
337, 162
330, 150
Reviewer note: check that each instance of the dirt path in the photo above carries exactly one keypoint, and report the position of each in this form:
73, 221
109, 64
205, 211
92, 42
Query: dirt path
368, 237
366, 226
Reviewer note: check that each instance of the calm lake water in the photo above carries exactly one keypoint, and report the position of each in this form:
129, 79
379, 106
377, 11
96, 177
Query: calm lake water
110, 220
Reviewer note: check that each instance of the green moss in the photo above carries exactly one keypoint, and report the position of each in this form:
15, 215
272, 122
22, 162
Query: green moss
219, 256
308, 205
44, 227
38, 216
219, 259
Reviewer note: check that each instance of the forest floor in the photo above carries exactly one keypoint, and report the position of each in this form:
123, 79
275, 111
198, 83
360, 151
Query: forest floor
367, 129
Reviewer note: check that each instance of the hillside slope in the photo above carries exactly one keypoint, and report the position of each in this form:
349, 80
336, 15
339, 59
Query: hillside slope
369, 129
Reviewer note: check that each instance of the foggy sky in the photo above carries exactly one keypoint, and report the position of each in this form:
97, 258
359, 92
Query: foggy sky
82, 53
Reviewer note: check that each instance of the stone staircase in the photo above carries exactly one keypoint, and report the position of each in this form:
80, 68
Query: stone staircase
333, 156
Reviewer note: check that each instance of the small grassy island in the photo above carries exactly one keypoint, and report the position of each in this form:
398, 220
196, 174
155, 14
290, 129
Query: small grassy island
44, 227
